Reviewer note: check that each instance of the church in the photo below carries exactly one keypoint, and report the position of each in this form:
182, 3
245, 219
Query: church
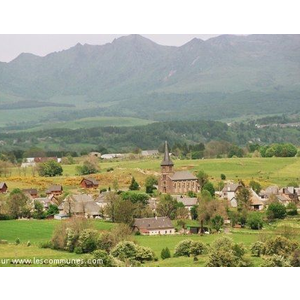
175, 182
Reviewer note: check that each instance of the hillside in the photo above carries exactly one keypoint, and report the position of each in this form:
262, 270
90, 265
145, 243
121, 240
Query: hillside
224, 77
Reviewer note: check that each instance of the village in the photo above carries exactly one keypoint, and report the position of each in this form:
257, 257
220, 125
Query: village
182, 187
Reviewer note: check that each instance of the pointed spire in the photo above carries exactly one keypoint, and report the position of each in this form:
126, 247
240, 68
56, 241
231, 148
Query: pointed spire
167, 160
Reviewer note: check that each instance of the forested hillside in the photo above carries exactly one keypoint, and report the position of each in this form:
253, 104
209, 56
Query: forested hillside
224, 77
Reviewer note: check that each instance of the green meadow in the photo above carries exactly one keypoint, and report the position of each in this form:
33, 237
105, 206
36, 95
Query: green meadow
37, 231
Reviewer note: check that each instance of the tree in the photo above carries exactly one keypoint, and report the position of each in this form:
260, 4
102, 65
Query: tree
116, 185
225, 253
243, 198
194, 212
276, 210
208, 186
203, 178
52, 210
134, 186
255, 186
208, 208
111, 200
124, 211
149, 184
38, 210
167, 206
165, 253
18, 204
217, 222
291, 209
50, 168
254, 220
90, 166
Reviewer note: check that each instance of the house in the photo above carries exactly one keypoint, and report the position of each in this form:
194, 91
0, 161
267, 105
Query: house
46, 201
3, 187
148, 153
188, 202
229, 192
175, 182
55, 190
112, 156
154, 226
256, 202
101, 200
88, 183
291, 193
80, 205
33, 193
283, 199
271, 190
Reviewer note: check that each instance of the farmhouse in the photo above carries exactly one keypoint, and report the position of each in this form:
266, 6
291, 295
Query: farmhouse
148, 153
175, 182
33, 193
55, 190
88, 183
229, 192
46, 201
154, 226
256, 202
80, 205
3, 187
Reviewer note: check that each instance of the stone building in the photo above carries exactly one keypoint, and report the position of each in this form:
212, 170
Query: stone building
175, 182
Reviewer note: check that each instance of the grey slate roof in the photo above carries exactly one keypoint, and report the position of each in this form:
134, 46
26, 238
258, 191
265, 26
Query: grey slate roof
187, 201
167, 160
54, 188
230, 187
153, 223
183, 175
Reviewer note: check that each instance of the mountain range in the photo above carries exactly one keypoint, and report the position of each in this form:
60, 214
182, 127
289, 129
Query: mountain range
225, 77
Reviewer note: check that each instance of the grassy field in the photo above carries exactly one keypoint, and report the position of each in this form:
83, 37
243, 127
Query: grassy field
267, 171
94, 122
39, 231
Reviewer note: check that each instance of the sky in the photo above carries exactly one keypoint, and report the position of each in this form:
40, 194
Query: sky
12, 45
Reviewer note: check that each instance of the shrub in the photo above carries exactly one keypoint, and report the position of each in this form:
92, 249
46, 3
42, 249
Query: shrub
276, 261
28, 244
276, 210
221, 258
144, 254
78, 250
183, 248
223, 177
128, 251
291, 209
124, 250
189, 247
217, 222
134, 186
17, 241
258, 248
295, 258
165, 253
47, 244
197, 248
281, 246
225, 253
88, 240
254, 220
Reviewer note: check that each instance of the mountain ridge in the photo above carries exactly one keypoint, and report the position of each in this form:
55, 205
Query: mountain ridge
132, 76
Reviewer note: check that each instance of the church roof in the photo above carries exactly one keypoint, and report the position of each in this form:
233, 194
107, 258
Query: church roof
183, 175
167, 160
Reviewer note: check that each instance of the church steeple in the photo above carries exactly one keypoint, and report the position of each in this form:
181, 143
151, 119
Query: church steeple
167, 160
